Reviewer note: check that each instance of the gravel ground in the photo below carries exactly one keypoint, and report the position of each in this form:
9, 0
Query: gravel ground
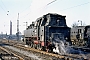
38, 57
26, 53
35, 56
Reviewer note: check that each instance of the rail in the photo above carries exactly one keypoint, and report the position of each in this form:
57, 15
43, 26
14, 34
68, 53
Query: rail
66, 57
20, 58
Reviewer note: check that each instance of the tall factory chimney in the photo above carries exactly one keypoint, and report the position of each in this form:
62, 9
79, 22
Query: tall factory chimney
18, 27
10, 28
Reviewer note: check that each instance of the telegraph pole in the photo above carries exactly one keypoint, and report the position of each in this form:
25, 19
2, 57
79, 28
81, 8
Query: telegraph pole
17, 28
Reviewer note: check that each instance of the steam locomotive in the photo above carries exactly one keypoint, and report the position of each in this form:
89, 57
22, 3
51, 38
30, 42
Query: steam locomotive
46, 31
80, 36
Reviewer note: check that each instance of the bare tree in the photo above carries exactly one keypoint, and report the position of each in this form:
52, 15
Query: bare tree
77, 24
74, 24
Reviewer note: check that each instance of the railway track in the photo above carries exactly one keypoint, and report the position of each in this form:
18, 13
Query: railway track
8, 55
56, 56
46, 54
6, 47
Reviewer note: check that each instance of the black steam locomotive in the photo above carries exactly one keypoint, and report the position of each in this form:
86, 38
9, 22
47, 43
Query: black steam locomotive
80, 36
46, 31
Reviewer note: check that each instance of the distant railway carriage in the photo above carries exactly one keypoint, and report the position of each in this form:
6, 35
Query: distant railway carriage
46, 30
80, 35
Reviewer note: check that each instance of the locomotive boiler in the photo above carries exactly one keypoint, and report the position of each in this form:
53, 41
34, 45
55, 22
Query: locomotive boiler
46, 31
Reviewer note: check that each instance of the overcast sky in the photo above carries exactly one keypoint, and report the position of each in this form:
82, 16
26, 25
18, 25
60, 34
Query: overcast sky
30, 10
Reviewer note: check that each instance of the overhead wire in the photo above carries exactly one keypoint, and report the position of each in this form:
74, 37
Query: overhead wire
44, 6
75, 6
23, 11
4, 4
51, 2
47, 5
3, 9
65, 8
6, 10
